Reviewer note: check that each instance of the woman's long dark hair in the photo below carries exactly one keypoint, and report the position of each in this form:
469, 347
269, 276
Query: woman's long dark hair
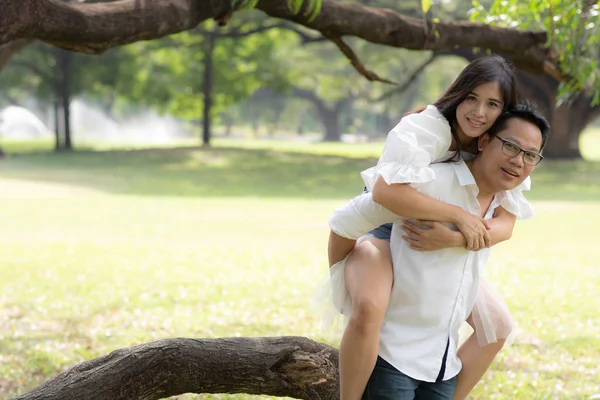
478, 72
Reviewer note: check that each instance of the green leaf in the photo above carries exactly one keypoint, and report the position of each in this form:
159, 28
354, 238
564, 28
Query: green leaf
425, 5
243, 4
315, 5
294, 5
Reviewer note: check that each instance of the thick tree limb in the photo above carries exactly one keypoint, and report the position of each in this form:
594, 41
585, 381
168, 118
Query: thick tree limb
384, 26
94, 28
278, 366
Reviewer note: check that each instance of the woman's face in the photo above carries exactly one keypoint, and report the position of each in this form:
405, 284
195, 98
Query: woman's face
478, 112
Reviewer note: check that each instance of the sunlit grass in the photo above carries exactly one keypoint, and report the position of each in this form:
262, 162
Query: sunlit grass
589, 143
102, 250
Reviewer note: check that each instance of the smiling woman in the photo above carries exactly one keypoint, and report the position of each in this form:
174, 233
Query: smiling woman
478, 112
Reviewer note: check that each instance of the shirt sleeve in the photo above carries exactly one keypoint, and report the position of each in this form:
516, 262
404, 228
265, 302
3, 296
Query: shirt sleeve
415, 142
514, 201
360, 216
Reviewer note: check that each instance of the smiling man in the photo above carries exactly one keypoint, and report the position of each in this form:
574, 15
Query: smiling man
434, 292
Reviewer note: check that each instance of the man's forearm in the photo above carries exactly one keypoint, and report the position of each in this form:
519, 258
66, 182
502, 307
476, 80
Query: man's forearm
338, 248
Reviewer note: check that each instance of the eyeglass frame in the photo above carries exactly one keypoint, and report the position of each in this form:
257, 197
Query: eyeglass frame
504, 141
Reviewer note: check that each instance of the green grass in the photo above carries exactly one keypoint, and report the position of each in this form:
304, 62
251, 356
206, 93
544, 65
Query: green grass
103, 250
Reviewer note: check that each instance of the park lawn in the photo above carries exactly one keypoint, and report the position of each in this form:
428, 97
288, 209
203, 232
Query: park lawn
103, 250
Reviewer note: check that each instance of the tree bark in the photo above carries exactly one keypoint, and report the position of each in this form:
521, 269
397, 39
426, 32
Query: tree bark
96, 27
277, 366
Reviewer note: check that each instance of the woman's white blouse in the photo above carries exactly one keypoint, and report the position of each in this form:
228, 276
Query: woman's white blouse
416, 142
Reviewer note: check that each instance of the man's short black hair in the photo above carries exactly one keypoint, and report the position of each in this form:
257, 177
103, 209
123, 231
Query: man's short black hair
525, 111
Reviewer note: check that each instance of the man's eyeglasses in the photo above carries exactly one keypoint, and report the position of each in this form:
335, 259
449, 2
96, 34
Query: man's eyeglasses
512, 149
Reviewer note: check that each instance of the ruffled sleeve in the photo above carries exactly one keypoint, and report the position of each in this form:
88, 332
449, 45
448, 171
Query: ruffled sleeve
514, 201
414, 143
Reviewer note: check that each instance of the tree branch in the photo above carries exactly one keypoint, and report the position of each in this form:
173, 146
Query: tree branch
356, 63
236, 33
407, 82
277, 366
305, 38
384, 26
94, 28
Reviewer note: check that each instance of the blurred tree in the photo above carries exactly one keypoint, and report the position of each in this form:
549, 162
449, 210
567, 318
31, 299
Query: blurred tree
560, 34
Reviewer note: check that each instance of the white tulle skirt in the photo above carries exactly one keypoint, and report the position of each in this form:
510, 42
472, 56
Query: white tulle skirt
490, 314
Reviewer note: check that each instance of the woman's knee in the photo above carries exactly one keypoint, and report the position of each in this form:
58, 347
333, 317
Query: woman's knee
368, 312
369, 278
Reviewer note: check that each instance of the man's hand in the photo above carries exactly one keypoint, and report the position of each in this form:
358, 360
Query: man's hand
430, 235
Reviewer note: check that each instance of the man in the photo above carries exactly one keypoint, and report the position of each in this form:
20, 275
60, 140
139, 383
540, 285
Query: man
434, 292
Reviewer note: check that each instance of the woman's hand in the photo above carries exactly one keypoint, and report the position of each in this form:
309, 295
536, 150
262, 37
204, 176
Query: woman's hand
474, 229
430, 235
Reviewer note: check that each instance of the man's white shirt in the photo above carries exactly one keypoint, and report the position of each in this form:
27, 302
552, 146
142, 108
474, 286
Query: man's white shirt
433, 291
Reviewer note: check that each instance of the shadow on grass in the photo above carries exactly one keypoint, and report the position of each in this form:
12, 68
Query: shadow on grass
195, 171
235, 172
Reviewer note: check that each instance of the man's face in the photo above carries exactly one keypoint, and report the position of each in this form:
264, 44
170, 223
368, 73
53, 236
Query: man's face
501, 171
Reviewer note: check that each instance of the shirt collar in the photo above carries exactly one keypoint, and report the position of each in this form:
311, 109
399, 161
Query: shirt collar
463, 173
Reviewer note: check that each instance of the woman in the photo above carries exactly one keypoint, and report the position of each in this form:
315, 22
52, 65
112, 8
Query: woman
440, 132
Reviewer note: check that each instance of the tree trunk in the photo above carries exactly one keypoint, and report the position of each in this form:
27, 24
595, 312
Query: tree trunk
277, 366
567, 121
57, 126
207, 85
65, 95
330, 117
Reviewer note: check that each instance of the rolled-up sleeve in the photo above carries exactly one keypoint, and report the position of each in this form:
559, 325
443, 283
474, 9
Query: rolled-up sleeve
360, 216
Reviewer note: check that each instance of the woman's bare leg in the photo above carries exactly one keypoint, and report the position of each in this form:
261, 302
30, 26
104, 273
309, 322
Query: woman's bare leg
475, 362
369, 277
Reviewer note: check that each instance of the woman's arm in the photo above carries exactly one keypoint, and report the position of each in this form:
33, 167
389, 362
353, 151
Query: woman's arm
501, 225
404, 200
431, 235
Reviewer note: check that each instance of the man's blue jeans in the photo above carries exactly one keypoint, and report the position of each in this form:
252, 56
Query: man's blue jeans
387, 383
